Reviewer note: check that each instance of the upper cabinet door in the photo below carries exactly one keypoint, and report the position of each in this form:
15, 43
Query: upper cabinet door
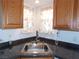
13, 13
63, 14
76, 15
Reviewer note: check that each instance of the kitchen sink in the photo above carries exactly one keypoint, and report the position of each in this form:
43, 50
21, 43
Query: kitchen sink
36, 49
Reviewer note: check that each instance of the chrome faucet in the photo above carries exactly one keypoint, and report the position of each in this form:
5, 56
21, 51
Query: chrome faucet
36, 35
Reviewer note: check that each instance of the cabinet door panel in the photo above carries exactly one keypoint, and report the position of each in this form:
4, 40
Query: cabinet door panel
63, 14
77, 15
13, 10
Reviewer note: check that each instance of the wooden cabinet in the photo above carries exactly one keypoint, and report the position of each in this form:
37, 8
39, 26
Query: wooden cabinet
11, 14
63, 14
76, 15
66, 14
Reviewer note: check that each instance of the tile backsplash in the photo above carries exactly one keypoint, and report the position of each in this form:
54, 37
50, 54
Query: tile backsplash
15, 34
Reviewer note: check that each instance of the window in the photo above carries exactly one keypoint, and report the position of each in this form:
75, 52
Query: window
47, 20
38, 20
28, 24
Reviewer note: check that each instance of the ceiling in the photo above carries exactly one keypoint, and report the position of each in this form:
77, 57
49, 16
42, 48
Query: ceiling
32, 4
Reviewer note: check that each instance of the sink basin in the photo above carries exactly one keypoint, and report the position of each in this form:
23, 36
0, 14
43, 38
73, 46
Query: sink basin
36, 49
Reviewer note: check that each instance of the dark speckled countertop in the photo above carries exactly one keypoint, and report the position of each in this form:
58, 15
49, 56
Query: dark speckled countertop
8, 51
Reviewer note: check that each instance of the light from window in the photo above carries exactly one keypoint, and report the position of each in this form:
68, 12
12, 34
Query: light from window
47, 20
28, 24
45, 24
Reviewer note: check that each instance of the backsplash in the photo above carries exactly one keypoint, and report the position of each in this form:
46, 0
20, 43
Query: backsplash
15, 34
69, 36
65, 36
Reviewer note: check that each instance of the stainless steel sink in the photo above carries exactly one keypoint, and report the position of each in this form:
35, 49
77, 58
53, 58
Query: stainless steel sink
36, 49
